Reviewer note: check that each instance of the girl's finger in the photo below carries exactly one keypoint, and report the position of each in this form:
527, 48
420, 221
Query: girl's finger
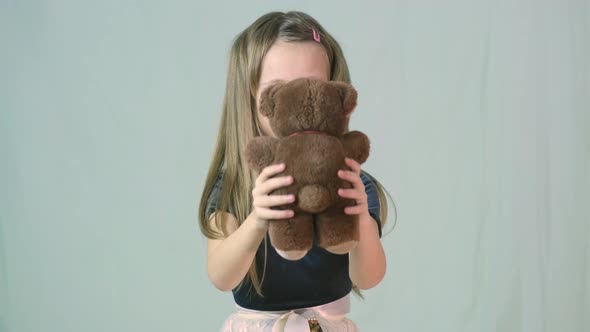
274, 183
273, 200
353, 164
351, 177
352, 194
266, 213
269, 171
357, 209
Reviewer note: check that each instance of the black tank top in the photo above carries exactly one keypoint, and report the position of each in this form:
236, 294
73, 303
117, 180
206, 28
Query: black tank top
318, 278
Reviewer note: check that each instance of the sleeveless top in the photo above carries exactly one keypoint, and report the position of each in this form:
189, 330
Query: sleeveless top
318, 278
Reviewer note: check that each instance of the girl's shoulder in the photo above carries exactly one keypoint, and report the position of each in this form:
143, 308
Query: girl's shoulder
373, 202
368, 179
219, 180
215, 194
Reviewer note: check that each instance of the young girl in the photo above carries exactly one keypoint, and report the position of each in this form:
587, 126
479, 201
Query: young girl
271, 293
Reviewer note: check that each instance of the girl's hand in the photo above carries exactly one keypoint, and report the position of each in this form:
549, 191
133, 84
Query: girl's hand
263, 202
357, 192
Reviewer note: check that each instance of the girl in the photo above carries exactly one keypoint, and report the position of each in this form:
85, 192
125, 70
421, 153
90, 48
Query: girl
271, 293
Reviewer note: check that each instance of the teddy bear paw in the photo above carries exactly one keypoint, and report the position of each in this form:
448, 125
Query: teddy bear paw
342, 248
292, 255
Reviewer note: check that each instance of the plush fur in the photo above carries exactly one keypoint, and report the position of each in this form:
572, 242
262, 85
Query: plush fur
309, 117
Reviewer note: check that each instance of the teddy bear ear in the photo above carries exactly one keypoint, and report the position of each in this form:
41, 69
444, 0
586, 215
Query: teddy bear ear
267, 99
348, 96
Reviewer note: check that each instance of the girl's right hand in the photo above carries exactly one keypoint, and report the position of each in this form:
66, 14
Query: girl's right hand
263, 202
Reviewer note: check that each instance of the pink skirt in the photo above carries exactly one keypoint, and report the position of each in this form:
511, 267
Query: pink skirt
330, 317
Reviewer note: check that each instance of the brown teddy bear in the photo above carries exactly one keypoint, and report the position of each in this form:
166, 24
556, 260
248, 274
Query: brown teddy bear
309, 118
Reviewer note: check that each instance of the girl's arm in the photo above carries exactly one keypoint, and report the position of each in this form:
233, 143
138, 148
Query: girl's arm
367, 262
229, 259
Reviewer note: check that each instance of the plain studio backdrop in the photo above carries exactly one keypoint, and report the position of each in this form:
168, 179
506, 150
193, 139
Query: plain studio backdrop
479, 117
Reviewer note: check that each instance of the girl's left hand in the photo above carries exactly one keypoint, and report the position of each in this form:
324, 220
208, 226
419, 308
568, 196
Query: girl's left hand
357, 192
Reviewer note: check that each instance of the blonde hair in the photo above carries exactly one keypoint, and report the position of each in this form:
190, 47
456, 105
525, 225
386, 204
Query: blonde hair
239, 122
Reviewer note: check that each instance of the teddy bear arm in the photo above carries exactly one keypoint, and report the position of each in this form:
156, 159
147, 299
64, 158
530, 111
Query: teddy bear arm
356, 146
260, 152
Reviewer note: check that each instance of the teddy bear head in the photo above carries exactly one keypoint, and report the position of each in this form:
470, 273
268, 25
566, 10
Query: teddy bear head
307, 104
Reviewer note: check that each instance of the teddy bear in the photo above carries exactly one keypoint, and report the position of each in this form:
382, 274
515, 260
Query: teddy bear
309, 118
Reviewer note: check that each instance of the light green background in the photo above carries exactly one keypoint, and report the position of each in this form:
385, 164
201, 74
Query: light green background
479, 116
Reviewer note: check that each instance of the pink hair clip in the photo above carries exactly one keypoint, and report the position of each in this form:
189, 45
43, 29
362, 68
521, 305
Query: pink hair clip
316, 35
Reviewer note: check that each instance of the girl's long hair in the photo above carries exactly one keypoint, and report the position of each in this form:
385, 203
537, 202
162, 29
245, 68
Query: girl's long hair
239, 122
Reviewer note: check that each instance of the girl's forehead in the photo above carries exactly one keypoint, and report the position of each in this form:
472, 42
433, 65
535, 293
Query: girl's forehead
286, 61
